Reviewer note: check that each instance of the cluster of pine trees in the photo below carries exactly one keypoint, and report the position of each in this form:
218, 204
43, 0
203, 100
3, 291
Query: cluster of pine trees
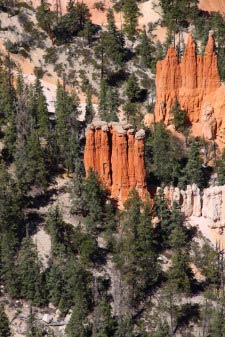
136, 240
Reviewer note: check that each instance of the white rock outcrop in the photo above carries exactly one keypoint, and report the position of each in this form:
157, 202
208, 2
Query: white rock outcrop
209, 203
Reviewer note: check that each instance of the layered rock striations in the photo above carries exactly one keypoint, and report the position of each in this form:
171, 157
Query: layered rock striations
116, 153
195, 83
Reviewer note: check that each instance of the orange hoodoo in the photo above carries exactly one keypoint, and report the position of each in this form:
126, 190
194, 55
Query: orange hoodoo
195, 83
116, 153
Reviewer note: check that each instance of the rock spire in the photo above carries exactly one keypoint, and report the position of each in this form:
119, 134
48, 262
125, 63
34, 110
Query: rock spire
195, 83
116, 152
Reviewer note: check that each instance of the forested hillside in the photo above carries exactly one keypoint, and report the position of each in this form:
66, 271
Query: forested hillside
109, 160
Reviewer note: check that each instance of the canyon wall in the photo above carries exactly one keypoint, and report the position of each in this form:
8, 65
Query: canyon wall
195, 83
208, 204
116, 153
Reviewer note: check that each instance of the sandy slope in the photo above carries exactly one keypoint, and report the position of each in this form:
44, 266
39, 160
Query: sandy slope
213, 5
98, 16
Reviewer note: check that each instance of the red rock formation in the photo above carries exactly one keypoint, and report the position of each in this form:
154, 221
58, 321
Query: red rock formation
116, 153
195, 83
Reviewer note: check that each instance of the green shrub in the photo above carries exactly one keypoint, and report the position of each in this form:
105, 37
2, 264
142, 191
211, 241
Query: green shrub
51, 55
12, 47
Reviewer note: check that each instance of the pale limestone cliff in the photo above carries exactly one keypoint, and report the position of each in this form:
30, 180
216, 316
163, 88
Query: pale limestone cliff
208, 204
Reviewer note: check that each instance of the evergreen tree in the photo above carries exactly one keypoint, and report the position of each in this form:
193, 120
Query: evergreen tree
136, 250
40, 109
88, 32
221, 169
180, 274
193, 171
218, 27
145, 49
61, 233
8, 104
104, 323
165, 155
114, 41
103, 104
217, 326
100, 215
75, 21
131, 14
11, 230
78, 202
30, 279
30, 164
46, 18
162, 331
72, 286
67, 127
110, 48
133, 90
180, 117
89, 108
125, 328
25, 120
179, 13
108, 105
9, 275
4, 324
78, 326
206, 259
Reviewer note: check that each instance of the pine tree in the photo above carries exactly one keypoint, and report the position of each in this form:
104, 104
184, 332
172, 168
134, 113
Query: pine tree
95, 196
180, 117
9, 275
104, 324
74, 285
103, 108
113, 105
46, 18
41, 109
180, 274
125, 328
89, 108
30, 164
133, 90
67, 127
193, 171
4, 324
77, 326
78, 202
25, 120
11, 229
108, 105
137, 250
221, 169
8, 105
131, 14
75, 21
145, 49
110, 48
162, 331
217, 326
31, 286
166, 155
54, 284
114, 41
60, 233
